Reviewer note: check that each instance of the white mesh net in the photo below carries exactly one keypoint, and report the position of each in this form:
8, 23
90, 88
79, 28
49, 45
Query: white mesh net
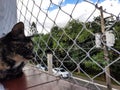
68, 30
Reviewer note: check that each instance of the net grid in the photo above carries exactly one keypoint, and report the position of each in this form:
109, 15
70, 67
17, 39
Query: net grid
77, 52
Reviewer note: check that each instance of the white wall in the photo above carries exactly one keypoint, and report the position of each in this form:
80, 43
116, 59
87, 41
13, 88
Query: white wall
8, 16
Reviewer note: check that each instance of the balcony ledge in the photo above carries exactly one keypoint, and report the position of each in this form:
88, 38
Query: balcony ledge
34, 79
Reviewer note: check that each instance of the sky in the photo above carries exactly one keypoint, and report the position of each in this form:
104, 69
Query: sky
47, 13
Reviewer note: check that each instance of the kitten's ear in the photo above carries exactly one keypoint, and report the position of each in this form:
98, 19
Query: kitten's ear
18, 29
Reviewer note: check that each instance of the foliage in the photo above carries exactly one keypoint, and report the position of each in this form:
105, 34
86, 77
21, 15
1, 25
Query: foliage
67, 43
99, 59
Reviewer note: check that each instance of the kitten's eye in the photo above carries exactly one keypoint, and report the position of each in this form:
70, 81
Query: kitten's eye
30, 46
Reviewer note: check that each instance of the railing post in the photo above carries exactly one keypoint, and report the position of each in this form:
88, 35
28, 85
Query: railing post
49, 62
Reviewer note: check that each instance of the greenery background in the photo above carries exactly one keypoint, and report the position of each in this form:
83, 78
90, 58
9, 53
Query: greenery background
70, 46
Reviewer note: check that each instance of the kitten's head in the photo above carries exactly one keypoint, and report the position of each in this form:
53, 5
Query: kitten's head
18, 46
15, 48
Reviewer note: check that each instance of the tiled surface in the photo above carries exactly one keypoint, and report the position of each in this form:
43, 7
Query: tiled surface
36, 80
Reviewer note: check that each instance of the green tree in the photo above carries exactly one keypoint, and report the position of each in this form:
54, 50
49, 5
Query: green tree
74, 41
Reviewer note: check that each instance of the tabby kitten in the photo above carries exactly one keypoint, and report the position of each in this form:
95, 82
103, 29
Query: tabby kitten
15, 49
